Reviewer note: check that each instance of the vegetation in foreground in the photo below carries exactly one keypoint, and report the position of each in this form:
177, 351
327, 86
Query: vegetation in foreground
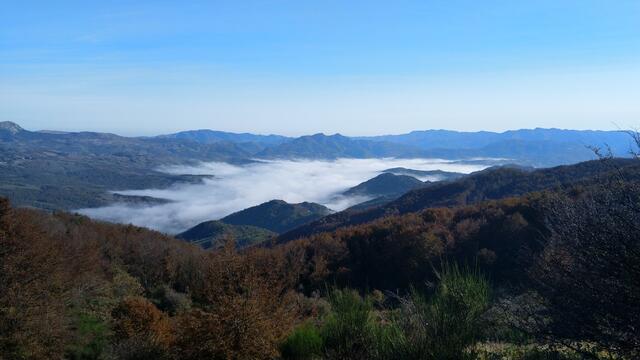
550, 275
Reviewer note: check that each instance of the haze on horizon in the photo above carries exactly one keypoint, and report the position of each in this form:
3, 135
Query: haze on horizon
293, 68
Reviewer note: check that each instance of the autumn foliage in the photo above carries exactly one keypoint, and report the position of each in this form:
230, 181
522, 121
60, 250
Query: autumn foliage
76, 288
81, 289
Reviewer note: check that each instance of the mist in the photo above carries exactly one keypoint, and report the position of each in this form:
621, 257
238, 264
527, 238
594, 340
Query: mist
233, 188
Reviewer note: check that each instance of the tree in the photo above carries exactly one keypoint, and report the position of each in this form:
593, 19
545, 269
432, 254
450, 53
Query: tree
141, 331
245, 310
588, 275
34, 286
446, 325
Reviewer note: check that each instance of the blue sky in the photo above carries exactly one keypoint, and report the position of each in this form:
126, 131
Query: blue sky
296, 67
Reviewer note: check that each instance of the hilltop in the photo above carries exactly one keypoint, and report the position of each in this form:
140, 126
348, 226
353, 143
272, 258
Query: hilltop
212, 234
277, 215
385, 184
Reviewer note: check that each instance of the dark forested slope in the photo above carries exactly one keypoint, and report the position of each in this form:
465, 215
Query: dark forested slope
565, 259
493, 183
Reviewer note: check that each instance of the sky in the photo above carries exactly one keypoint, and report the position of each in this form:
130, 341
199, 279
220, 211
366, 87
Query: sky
332, 66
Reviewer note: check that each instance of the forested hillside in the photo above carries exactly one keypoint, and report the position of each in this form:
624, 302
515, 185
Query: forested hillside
493, 183
550, 274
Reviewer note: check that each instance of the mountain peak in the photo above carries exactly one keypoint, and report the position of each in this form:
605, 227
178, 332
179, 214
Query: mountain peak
10, 127
328, 136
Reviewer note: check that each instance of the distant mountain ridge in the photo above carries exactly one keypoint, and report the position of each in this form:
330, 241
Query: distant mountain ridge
536, 147
337, 146
448, 139
71, 170
210, 136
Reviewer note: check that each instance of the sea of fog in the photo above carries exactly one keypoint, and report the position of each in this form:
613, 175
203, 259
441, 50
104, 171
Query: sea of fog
236, 187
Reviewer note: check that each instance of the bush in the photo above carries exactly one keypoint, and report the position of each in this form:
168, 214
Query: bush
303, 343
589, 272
91, 338
448, 324
348, 330
352, 329
170, 301
445, 326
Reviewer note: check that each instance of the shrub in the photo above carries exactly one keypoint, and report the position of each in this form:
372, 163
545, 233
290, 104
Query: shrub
303, 343
348, 331
445, 326
170, 301
90, 340
589, 274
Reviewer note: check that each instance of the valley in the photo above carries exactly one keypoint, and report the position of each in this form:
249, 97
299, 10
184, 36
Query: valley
320, 180
173, 182
184, 227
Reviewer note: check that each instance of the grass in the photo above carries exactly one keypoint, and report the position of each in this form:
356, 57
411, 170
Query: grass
443, 326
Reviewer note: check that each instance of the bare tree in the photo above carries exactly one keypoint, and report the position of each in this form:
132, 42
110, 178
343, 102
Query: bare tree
588, 275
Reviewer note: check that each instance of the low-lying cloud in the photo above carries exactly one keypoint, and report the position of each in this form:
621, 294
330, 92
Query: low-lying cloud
234, 188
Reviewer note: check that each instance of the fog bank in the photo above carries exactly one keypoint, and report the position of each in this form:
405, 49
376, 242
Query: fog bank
234, 188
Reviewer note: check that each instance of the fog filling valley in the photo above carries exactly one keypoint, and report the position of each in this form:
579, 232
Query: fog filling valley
233, 187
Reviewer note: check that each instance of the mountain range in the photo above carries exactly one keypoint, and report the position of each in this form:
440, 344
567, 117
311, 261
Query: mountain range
538, 147
446, 139
337, 146
70, 170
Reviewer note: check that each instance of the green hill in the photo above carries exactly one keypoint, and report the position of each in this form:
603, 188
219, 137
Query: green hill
277, 215
385, 184
212, 234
